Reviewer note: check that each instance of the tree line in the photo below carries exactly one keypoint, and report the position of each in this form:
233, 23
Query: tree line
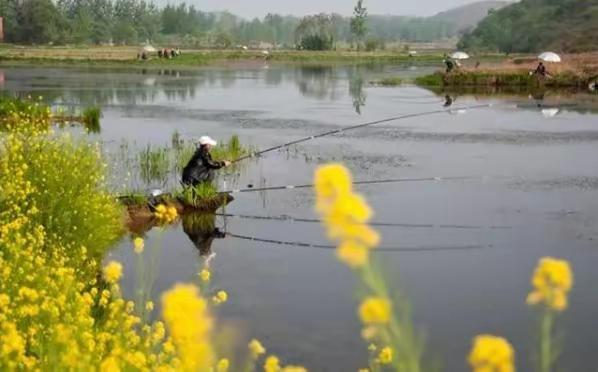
138, 21
537, 25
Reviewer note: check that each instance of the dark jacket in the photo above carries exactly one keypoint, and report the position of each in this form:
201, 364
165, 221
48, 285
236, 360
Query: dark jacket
200, 168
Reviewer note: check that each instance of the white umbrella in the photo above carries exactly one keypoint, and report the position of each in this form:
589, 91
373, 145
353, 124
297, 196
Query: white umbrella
149, 49
550, 112
459, 55
549, 57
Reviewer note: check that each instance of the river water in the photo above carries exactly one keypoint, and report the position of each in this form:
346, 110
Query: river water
533, 192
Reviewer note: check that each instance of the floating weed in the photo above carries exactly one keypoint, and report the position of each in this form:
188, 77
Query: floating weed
91, 119
195, 195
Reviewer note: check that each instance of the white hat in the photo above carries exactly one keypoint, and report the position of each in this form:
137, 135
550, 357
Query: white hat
207, 140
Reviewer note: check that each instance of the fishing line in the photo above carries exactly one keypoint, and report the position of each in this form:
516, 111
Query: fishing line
380, 249
378, 224
336, 131
372, 182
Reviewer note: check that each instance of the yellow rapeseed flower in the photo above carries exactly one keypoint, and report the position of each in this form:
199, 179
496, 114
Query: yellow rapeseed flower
331, 181
113, 272
186, 315
205, 275
220, 297
375, 310
294, 369
551, 282
149, 306
138, 245
345, 215
256, 348
352, 254
385, 356
165, 215
109, 364
491, 353
272, 364
223, 365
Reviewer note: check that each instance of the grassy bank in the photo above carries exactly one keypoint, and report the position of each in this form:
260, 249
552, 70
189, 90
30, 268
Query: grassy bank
576, 71
127, 56
503, 79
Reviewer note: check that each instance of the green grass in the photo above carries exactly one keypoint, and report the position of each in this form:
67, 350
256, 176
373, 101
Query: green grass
432, 80
197, 194
392, 81
203, 57
91, 119
500, 79
154, 163
134, 198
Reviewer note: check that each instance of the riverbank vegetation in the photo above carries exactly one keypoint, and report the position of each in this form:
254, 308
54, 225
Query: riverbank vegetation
133, 22
576, 71
13, 110
535, 26
127, 56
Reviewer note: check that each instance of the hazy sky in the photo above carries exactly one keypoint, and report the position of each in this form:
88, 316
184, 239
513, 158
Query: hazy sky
258, 8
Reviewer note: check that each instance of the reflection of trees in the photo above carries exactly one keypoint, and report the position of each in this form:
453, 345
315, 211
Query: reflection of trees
128, 87
316, 81
103, 86
274, 76
356, 91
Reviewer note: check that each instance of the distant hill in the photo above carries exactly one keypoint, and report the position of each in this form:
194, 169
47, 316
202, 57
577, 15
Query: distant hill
536, 25
468, 16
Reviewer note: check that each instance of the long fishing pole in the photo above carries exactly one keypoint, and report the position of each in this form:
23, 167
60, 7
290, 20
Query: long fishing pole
380, 249
371, 182
335, 131
286, 218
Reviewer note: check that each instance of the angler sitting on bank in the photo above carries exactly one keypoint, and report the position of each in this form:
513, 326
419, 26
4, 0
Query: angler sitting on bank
201, 167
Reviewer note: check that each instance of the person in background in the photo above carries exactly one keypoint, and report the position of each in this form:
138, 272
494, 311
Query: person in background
450, 65
201, 167
541, 70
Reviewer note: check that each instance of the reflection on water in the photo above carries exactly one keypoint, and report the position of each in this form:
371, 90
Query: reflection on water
356, 91
79, 86
201, 230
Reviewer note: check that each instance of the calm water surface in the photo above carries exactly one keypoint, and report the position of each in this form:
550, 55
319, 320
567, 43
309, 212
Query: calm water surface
536, 173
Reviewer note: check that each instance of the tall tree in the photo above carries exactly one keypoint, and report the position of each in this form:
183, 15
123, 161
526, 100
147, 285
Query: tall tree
315, 32
359, 23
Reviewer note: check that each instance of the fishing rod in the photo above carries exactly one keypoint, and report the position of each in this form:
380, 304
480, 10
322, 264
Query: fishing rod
157, 192
287, 218
363, 125
380, 249
371, 182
